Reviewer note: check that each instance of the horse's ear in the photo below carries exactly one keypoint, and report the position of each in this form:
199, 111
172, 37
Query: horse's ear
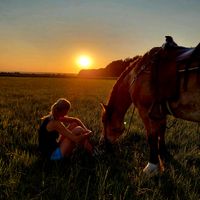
104, 107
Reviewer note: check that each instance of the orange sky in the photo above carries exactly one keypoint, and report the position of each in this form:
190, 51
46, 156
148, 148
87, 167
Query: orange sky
48, 36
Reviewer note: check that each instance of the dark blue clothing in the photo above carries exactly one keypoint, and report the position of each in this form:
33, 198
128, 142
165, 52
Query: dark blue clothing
47, 140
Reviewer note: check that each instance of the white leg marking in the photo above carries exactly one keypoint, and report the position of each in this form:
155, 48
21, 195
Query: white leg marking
151, 168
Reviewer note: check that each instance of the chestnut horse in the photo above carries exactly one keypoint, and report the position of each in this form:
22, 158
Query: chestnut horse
135, 86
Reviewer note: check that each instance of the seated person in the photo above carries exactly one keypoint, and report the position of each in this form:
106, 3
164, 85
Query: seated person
59, 134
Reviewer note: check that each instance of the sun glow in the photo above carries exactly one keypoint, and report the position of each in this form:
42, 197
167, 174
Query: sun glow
84, 61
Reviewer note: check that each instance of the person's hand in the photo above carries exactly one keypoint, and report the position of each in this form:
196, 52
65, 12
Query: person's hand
88, 132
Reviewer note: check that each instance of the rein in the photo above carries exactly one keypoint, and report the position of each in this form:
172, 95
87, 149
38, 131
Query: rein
137, 75
133, 81
143, 67
129, 126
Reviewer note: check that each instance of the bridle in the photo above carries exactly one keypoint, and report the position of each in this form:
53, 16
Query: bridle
116, 130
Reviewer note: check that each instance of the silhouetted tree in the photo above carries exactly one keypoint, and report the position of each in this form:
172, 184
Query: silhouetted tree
114, 69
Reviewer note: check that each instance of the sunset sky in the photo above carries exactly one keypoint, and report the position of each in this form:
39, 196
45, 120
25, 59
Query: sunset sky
50, 35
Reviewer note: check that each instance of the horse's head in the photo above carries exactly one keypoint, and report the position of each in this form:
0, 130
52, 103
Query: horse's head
118, 104
113, 126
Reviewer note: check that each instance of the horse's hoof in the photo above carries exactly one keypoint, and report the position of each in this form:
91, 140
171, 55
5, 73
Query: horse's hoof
151, 169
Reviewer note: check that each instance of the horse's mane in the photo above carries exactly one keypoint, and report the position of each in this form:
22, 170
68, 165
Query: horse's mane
126, 71
121, 78
149, 56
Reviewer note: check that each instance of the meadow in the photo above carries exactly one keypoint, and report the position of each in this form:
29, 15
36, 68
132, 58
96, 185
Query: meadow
112, 176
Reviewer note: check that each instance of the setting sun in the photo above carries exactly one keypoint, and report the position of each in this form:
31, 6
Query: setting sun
84, 62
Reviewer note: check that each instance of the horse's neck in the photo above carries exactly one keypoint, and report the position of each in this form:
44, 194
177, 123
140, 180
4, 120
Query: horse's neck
120, 99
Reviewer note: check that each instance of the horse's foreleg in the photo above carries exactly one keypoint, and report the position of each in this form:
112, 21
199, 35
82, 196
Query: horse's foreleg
164, 154
155, 138
152, 140
153, 164
161, 142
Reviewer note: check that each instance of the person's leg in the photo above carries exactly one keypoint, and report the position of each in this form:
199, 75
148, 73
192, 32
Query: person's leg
85, 143
66, 147
56, 155
70, 127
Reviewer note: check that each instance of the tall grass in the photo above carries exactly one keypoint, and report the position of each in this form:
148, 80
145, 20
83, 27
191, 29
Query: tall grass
117, 175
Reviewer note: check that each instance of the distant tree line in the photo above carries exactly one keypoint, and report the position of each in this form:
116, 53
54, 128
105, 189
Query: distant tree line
114, 69
43, 75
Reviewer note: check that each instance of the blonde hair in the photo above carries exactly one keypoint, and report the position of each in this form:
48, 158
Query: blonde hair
59, 106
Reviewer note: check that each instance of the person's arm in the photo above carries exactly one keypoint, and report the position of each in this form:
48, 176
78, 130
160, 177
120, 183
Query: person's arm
61, 129
73, 119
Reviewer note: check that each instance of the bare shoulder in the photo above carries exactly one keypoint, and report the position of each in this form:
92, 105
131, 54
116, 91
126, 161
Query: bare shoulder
54, 125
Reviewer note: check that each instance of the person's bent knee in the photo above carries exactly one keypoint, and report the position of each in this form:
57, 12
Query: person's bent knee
78, 130
72, 126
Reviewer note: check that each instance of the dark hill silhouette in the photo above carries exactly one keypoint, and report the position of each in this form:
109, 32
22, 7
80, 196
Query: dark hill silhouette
114, 69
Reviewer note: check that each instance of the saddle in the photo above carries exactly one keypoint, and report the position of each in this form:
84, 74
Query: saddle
187, 61
165, 74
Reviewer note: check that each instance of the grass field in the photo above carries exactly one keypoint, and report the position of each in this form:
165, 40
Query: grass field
23, 175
